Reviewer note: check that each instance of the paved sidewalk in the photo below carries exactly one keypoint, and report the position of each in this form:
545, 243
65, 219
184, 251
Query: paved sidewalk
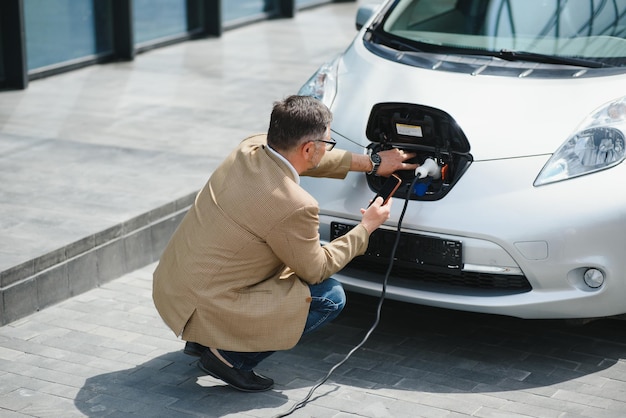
106, 353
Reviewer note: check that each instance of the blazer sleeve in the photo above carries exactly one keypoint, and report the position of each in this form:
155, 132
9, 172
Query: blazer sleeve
295, 240
334, 164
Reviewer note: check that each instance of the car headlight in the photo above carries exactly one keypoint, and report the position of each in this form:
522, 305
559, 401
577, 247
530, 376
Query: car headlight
597, 145
323, 84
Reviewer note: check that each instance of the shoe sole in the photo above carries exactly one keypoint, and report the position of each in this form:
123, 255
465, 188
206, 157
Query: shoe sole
210, 373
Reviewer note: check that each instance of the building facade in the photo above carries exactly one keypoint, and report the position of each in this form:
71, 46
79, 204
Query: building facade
39, 38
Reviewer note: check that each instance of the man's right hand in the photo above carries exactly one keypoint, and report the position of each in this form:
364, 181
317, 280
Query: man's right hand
376, 214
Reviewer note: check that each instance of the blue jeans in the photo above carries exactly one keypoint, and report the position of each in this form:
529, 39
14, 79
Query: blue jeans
327, 301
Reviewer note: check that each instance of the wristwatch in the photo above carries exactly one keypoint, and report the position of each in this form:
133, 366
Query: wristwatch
375, 159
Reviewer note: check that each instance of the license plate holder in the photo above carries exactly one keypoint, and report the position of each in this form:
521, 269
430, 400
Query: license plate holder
413, 250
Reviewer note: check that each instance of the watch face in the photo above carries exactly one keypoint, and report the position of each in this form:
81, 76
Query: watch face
375, 158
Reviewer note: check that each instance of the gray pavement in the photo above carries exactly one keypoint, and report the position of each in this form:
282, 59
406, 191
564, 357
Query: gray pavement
106, 353
96, 168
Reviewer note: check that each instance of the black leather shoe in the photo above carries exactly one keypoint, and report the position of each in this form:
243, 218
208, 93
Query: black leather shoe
194, 349
244, 380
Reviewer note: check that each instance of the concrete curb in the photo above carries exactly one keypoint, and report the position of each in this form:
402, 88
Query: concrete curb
89, 262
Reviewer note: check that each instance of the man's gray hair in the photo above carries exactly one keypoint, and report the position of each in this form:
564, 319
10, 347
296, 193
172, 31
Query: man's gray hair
296, 119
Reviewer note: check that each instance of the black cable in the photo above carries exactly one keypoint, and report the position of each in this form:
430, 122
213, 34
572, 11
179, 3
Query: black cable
306, 399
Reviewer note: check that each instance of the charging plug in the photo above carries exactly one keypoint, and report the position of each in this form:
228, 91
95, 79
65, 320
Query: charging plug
428, 168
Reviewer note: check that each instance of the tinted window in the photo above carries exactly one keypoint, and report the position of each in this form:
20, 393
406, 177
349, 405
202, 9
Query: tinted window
64, 30
155, 19
238, 9
303, 3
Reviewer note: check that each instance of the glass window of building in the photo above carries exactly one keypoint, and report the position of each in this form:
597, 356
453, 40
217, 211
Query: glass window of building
62, 31
159, 19
304, 3
245, 9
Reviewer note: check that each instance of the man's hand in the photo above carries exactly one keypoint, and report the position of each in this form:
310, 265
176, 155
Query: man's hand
376, 214
393, 160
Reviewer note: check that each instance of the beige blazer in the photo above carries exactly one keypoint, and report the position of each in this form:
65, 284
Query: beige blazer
234, 275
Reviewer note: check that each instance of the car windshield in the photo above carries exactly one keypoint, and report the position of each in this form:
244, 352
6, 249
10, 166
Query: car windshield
577, 32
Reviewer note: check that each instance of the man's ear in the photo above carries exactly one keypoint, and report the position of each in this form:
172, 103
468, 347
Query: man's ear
307, 149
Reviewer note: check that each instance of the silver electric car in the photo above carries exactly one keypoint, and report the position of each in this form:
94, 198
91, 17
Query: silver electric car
517, 109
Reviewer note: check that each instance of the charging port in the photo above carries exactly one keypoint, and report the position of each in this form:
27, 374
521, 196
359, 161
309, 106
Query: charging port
430, 133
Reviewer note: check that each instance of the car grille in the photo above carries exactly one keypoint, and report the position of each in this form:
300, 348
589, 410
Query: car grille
485, 282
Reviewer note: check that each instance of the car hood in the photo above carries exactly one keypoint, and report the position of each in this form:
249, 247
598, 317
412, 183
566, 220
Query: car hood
501, 116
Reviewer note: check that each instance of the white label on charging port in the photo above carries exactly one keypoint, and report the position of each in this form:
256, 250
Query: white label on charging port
409, 130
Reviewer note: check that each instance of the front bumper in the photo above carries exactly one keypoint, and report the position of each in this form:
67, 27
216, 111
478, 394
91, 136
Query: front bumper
548, 236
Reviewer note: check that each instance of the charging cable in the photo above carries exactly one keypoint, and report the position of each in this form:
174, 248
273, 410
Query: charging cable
392, 256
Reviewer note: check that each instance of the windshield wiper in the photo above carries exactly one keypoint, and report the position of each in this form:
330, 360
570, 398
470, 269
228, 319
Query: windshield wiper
403, 44
508, 55
394, 42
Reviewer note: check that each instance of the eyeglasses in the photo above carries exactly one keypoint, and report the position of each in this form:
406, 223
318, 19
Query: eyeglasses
329, 144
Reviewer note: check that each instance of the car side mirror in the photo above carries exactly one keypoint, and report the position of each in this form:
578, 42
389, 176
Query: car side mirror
364, 13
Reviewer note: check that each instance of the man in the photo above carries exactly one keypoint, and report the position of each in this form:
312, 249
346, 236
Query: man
245, 274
